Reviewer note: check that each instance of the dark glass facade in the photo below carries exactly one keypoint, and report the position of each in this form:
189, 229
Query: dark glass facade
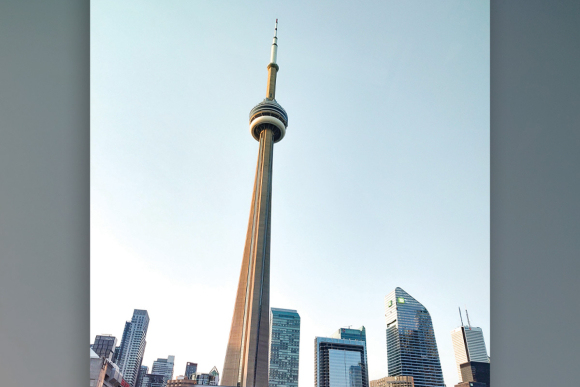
284, 347
142, 372
104, 346
351, 334
475, 371
411, 346
340, 363
190, 370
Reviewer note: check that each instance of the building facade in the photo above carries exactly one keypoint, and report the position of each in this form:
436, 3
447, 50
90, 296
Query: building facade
468, 345
393, 381
190, 370
132, 348
340, 363
104, 346
351, 334
164, 367
474, 371
104, 373
411, 346
284, 347
143, 370
246, 362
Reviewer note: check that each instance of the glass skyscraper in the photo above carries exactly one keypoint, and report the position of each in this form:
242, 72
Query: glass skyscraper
132, 346
164, 367
468, 345
411, 346
340, 363
350, 334
190, 370
284, 347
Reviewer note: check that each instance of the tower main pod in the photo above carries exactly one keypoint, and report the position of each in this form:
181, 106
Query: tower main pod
246, 363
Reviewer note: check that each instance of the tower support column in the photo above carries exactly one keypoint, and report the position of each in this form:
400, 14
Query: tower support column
246, 362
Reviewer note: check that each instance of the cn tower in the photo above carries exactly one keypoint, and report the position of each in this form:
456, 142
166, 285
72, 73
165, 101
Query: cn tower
246, 363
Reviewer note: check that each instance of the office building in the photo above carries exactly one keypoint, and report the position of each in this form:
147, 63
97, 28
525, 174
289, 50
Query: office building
411, 346
143, 370
164, 367
132, 348
340, 363
393, 381
468, 345
246, 362
190, 370
474, 371
154, 380
104, 346
284, 347
351, 334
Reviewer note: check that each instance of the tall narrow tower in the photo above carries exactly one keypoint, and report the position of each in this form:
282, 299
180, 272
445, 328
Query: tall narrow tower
246, 363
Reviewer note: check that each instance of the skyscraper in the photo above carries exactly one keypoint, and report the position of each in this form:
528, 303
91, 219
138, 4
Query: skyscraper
468, 345
351, 334
132, 346
164, 367
104, 346
284, 347
340, 363
246, 362
143, 370
190, 370
411, 346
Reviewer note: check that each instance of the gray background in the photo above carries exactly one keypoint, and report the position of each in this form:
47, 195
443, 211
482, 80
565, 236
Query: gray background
44, 192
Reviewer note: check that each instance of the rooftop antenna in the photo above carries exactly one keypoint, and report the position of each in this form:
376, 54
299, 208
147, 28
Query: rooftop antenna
274, 53
460, 316
468, 323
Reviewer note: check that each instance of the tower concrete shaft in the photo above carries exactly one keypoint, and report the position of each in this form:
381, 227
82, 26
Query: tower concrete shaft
246, 362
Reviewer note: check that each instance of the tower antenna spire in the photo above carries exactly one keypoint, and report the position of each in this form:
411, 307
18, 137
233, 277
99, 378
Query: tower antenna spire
274, 51
468, 323
460, 316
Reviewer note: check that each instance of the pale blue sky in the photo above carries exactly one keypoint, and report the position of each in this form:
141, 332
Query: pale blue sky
381, 181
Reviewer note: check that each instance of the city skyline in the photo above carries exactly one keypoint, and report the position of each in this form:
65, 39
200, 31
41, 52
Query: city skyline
385, 167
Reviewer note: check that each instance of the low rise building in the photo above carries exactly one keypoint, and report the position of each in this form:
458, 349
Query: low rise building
393, 381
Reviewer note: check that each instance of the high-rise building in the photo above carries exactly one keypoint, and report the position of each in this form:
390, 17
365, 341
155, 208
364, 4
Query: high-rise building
468, 345
351, 334
411, 346
190, 370
104, 346
143, 370
284, 347
393, 381
164, 367
340, 363
474, 371
246, 361
132, 348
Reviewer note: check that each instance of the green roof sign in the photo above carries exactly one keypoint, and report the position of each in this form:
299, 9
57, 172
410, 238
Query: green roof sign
400, 300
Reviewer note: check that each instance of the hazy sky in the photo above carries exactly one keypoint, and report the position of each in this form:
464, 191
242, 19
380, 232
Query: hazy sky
381, 181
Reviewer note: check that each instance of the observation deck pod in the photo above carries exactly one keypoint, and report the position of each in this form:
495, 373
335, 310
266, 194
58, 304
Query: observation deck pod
268, 114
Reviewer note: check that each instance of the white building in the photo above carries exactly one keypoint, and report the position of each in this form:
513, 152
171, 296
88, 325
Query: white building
468, 345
